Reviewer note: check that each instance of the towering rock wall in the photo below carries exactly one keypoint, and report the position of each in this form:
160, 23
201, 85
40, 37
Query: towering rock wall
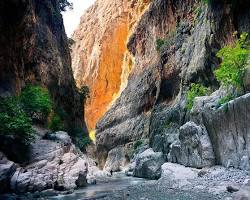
34, 49
100, 57
153, 104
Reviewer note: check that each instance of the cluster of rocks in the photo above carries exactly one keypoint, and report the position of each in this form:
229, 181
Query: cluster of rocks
55, 164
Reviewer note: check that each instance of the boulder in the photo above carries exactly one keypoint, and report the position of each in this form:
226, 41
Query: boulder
116, 160
81, 180
54, 164
229, 130
172, 171
193, 149
148, 164
59, 136
7, 169
242, 194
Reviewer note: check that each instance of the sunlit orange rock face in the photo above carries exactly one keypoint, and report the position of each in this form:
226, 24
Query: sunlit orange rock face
100, 58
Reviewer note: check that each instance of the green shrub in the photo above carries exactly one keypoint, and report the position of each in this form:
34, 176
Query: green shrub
225, 99
55, 123
196, 90
80, 138
82, 143
137, 144
15, 124
234, 62
206, 1
159, 44
167, 42
36, 102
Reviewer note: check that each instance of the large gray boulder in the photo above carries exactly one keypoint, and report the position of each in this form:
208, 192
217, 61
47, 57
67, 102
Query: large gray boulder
116, 160
193, 149
53, 164
7, 169
148, 164
229, 130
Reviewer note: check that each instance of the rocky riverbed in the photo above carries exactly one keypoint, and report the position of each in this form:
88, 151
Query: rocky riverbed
176, 182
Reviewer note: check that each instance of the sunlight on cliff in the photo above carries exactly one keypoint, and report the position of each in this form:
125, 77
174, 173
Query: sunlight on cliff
92, 135
106, 63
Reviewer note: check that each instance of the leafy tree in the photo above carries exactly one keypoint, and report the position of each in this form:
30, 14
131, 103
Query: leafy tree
55, 122
196, 90
234, 62
15, 124
36, 102
65, 4
80, 138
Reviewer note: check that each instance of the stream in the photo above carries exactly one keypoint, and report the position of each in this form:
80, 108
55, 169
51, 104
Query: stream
122, 187
103, 188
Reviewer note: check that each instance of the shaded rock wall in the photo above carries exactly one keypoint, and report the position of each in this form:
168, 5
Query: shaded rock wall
34, 49
100, 57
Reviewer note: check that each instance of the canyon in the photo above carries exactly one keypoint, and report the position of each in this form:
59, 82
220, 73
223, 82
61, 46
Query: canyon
139, 60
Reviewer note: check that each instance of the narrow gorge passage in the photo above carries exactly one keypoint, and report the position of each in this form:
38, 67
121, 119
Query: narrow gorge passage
144, 99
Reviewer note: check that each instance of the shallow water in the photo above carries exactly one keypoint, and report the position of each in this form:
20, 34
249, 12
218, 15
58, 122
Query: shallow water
103, 188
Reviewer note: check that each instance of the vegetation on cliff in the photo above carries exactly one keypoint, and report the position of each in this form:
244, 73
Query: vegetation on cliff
15, 123
36, 102
234, 63
196, 90
233, 67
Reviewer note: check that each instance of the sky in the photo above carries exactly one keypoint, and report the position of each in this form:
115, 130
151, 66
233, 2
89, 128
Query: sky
72, 17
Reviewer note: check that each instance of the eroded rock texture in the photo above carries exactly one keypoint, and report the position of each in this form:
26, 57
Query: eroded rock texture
100, 57
53, 164
34, 49
153, 105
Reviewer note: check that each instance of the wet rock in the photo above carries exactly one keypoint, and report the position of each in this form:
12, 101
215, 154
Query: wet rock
148, 164
91, 181
48, 193
130, 168
194, 148
233, 188
81, 180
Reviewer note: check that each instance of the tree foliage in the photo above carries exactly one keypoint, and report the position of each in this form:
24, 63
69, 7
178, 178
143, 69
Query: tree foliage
196, 90
36, 101
55, 122
234, 62
15, 124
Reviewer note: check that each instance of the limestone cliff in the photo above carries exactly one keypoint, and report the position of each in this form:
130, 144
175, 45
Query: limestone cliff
100, 57
153, 104
34, 49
